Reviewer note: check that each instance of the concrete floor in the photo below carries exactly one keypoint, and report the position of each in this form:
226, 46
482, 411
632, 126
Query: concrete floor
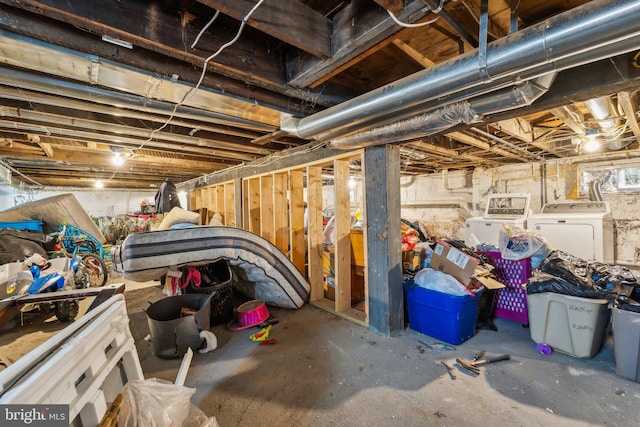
328, 371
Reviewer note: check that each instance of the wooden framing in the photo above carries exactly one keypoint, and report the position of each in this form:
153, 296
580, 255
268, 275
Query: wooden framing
285, 206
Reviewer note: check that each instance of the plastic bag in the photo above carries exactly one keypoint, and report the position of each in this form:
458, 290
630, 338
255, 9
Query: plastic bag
155, 402
516, 243
588, 279
566, 274
436, 280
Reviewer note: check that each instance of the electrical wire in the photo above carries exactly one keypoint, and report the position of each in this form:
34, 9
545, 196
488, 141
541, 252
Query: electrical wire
195, 42
422, 24
193, 90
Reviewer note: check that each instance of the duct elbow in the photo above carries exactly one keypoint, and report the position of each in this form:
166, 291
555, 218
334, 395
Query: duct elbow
289, 124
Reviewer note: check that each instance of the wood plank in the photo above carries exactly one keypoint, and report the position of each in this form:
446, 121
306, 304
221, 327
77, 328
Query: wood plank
311, 32
254, 206
298, 248
149, 26
221, 201
627, 103
315, 237
475, 142
246, 211
267, 223
281, 209
413, 54
394, 6
382, 219
342, 243
233, 207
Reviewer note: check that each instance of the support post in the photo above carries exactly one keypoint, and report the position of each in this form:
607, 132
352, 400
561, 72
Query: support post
384, 251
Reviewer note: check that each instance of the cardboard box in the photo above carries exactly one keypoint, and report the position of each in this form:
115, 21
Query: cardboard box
410, 261
465, 268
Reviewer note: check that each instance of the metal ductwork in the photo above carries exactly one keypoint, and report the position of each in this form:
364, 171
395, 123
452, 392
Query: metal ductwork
597, 30
450, 115
606, 116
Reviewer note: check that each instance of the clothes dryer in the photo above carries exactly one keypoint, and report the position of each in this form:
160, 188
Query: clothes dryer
583, 229
506, 208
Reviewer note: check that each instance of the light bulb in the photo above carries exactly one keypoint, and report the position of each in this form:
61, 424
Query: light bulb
118, 160
99, 184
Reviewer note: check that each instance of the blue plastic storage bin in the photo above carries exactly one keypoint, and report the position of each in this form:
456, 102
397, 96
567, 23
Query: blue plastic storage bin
449, 318
35, 225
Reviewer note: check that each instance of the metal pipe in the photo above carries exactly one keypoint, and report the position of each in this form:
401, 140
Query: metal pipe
449, 116
596, 30
506, 143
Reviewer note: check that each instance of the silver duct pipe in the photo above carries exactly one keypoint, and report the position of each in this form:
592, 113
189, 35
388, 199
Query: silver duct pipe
605, 113
450, 115
594, 31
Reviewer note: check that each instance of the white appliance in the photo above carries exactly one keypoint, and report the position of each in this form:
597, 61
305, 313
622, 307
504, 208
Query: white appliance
583, 229
507, 208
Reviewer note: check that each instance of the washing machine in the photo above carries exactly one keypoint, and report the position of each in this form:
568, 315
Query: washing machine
507, 208
583, 229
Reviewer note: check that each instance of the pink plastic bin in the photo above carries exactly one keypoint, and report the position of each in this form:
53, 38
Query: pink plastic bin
512, 300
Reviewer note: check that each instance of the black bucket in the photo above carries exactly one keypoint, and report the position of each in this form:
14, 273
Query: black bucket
172, 332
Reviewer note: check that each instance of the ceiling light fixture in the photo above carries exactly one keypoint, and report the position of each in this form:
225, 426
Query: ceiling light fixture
118, 160
591, 143
99, 184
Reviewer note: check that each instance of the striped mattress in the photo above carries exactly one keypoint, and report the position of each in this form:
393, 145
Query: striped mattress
261, 271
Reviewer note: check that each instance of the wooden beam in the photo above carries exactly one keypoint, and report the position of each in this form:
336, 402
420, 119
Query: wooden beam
280, 210
342, 243
356, 28
315, 237
475, 142
310, 32
522, 129
298, 249
394, 6
383, 239
569, 120
267, 225
628, 104
413, 54
259, 78
448, 153
46, 148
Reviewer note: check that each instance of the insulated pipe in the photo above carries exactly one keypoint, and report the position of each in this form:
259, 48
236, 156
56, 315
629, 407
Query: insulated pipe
596, 30
450, 115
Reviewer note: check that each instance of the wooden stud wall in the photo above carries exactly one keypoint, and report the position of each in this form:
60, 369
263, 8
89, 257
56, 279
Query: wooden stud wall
273, 206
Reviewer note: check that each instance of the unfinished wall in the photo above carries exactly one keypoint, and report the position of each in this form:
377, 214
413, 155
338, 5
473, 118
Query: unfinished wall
440, 202
96, 202
443, 201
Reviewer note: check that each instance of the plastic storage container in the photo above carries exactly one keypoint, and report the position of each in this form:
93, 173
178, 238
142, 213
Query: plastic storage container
573, 325
449, 318
512, 300
626, 343
34, 225
175, 323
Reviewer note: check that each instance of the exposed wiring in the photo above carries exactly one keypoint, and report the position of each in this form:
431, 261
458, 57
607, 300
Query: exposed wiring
422, 24
195, 42
193, 90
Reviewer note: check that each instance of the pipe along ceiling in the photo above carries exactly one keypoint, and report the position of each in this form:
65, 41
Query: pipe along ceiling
516, 70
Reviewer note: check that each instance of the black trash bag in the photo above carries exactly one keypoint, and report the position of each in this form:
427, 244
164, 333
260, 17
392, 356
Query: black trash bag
16, 245
575, 276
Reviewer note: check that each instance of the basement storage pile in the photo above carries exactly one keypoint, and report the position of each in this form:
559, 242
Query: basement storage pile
565, 301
